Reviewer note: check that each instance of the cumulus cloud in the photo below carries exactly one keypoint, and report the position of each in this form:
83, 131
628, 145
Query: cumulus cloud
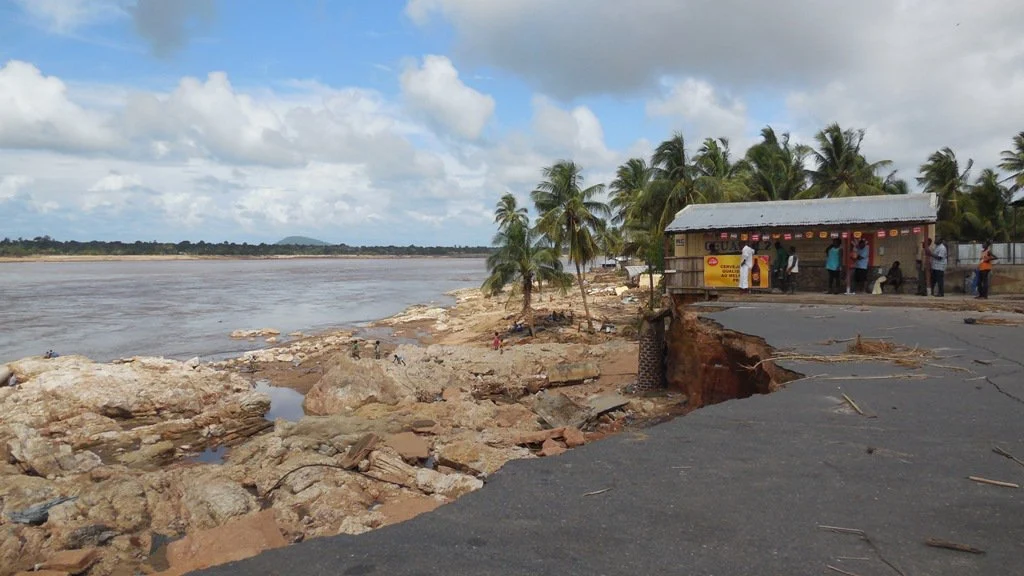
206, 157
696, 106
916, 74
436, 90
35, 112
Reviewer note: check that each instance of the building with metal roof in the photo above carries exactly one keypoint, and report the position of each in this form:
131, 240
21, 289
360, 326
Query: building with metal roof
860, 210
707, 239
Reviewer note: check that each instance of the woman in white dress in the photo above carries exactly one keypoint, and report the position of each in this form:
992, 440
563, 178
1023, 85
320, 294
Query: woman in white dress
746, 261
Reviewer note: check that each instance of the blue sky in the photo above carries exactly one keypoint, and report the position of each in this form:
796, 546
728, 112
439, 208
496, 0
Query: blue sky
403, 121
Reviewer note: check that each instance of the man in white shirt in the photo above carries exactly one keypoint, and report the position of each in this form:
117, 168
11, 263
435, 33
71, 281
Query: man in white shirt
939, 268
746, 262
792, 270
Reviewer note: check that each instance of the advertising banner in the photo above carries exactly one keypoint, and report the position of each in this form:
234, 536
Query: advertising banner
724, 272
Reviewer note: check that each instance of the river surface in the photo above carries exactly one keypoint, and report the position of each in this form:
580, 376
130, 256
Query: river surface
186, 308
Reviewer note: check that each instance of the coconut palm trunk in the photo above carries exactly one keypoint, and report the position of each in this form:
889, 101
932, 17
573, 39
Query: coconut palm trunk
650, 279
583, 293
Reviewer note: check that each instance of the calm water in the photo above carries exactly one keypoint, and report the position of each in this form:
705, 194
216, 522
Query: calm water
181, 309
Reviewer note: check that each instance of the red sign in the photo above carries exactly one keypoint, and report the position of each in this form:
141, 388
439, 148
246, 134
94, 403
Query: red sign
845, 235
881, 234
755, 237
712, 261
917, 229
724, 235
787, 236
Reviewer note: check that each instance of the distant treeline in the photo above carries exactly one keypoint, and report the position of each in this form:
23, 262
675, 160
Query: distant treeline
46, 246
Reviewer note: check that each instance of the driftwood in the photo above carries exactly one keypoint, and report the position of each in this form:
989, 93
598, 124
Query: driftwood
359, 451
937, 543
981, 480
853, 404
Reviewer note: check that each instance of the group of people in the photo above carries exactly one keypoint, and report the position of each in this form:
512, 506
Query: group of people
786, 268
931, 268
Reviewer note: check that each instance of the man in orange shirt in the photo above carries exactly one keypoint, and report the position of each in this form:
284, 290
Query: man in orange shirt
985, 269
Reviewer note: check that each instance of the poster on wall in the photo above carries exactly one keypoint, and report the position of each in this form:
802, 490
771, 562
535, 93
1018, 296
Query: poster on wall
724, 272
917, 229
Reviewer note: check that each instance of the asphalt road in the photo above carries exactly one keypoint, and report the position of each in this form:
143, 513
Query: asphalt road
742, 487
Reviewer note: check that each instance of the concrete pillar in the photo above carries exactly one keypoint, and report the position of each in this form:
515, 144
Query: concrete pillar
651, 365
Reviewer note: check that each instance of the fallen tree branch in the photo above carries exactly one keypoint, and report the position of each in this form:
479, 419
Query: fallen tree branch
1006, 454
938, 543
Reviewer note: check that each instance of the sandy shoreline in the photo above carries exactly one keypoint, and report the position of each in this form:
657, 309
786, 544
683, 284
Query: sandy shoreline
185, 257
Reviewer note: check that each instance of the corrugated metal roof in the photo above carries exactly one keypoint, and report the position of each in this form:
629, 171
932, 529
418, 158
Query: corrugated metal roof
817, 212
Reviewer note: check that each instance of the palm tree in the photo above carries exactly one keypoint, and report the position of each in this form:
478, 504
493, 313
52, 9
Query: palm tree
1013, 162
646, 241
840, 168
631, 184
775, 168
718, 178
522, 255
941, 175
570, 216
989, 208
674, 187
508, 213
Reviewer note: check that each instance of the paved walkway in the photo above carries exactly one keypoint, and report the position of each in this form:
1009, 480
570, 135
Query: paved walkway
742, 487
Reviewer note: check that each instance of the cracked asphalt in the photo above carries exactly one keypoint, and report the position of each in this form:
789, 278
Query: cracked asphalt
743, 487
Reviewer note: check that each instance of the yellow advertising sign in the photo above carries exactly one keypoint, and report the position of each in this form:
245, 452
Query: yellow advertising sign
724, 272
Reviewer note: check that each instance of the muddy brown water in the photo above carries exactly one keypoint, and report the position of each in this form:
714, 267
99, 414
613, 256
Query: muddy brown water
181, 309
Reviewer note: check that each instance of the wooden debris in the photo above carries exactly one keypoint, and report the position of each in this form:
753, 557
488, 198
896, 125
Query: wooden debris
1006, 454
981, 480
359, 451
596, 492
938, 543
853, 404
842, 530
983, 362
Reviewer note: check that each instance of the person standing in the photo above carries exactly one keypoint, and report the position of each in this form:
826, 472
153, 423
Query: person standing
923, 265
833, 260
860, 271
939, 254
746, 261
985, 269
779, 268
792, 270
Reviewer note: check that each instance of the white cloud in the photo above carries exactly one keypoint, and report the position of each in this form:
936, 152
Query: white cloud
577, 131
35, 112
696, 105
11, 185
436, 90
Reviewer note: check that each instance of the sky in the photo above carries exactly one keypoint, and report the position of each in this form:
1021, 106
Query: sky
402, 122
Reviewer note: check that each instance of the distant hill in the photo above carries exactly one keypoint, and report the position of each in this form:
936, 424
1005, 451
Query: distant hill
301, 241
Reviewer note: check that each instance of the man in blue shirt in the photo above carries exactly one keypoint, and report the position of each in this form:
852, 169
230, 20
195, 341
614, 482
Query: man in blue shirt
860, 269
833, 259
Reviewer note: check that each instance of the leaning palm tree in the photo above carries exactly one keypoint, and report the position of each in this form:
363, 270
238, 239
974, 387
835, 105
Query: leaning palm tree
522, 256
942, 175
508, 213
1013, 162
674, 187
840, 168
775, 168
571, 217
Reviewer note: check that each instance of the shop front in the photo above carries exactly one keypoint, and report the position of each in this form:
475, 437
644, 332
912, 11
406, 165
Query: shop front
708, 239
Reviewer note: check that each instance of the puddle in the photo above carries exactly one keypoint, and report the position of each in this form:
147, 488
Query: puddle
214, 455
285, 403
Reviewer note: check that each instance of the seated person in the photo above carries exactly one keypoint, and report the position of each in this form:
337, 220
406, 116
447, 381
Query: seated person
894, 277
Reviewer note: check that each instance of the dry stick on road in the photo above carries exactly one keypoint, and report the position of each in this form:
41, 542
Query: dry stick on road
981, 480
853, 404
596, 492
840, 570
938, 543
1006, 454
864, 536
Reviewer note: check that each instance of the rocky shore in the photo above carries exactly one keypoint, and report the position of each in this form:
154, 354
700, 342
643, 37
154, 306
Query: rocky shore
98, 467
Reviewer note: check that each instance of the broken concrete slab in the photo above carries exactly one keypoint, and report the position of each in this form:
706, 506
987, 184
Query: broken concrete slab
574, 438
409, 445
567, 373
606, 403
538, 437
558, 411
